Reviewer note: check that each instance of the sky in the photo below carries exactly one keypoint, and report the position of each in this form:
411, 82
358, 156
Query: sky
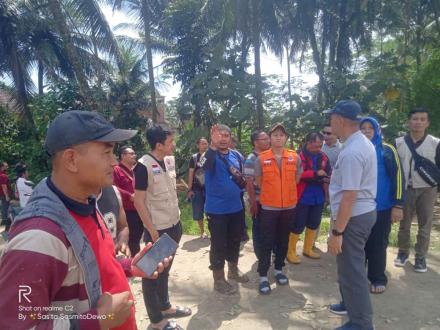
270, 64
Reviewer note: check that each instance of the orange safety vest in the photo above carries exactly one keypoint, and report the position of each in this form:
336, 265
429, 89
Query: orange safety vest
278, 189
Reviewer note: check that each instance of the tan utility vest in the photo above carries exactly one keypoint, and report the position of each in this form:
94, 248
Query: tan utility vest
427, 149
161, 197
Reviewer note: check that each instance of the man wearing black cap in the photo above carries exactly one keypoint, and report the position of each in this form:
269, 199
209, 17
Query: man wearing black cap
60, 257
352, 193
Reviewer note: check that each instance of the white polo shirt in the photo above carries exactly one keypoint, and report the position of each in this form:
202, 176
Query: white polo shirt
355, 169
25, 189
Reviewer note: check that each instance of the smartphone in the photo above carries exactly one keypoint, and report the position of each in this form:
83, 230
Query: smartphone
164, 247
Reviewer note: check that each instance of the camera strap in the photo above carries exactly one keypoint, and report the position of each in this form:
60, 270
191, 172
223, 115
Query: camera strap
228, 164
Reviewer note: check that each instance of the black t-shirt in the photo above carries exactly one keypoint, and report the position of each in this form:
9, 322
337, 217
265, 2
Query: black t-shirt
141, 174
194, 163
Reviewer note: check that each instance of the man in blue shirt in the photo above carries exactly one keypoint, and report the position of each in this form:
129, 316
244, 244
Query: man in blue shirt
223, 207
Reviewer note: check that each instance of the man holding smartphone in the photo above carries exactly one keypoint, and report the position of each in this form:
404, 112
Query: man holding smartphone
60, 252
156, 202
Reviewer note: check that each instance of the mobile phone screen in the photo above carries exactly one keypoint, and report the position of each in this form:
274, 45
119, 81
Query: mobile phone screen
164, 247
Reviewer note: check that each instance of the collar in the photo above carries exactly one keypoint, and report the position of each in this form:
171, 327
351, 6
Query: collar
419, 142
352, 138
334, 145
74, 206
161, 163
125, 168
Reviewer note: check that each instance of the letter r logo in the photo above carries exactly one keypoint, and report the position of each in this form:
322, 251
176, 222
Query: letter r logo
23, 292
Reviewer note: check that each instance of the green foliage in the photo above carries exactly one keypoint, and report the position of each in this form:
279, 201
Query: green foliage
427, 89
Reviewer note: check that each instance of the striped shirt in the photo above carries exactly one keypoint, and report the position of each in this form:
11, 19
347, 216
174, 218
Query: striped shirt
39, 259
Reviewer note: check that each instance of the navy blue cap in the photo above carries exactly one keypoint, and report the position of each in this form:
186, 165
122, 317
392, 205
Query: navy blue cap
346, 108
75, 127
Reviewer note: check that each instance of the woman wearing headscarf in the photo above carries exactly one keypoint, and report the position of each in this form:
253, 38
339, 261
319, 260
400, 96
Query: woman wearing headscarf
389, 201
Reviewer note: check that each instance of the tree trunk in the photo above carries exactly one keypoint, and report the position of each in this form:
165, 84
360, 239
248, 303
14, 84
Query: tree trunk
257, 65
71, 53
40, 78
18, 74
239, 131
147, 32
343, 46
317, 57
289, 87
418, 43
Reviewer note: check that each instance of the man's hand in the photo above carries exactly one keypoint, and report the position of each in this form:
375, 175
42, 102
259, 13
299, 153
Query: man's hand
132, 198
116, 308
396, 214
190, 194
122, 242
334, 245
215, 137
137, 272
321, 173
153, 233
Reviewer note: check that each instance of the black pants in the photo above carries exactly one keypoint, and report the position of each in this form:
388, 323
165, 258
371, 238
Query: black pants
155, 292
5, 213
376, 248
256, 234
226, 231
136, 229
274, 231
307, 216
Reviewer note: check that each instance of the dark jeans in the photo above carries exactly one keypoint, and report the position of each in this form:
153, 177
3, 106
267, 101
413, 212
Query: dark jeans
198, 204
376, 248
307, 216
274, 229
256, 235
5, 214
136, 229
226, 231
156, 291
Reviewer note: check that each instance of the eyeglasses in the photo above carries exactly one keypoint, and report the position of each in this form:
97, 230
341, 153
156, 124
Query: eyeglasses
326, 133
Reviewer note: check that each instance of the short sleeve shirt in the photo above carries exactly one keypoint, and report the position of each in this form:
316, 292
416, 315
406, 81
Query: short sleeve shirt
5, 180
141, 175
24, 188
355, 169
194, 163
332, 152
249, 171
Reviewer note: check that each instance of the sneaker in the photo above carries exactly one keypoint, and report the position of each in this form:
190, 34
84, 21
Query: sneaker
401, 259
420, 265
338, 309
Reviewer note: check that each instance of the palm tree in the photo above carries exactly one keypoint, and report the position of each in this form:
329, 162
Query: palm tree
71, 16
11, 63
148, 14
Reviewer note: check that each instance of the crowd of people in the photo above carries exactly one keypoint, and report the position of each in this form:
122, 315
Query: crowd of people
78, 235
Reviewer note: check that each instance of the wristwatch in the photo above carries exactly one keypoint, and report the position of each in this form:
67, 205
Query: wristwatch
335, 232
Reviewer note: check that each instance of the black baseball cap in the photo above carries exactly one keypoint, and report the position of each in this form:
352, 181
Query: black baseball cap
346, 108
75, 127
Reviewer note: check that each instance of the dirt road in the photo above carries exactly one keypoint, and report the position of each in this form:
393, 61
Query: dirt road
411, 301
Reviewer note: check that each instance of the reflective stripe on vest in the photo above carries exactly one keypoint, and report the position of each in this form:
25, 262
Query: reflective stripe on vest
278, 189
